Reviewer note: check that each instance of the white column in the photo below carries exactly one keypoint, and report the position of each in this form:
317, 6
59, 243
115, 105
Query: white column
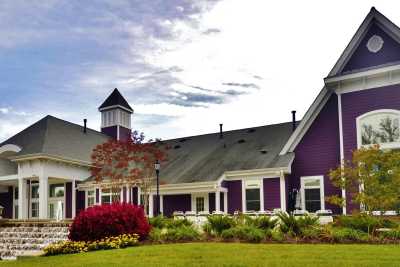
226, 202
161, 204
43, 196
244, 209
151, 204
217, 201
73, 199
262, 195
22, 199
138, 195
283, 191
341, 145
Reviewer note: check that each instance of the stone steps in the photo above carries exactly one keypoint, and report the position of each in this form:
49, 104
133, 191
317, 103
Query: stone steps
29, 238
25, 240
32, 235
35, 229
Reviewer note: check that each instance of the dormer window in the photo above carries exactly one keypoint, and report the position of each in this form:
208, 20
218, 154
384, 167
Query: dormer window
379, 127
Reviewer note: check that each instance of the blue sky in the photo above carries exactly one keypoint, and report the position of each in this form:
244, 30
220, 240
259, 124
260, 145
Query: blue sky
184, 66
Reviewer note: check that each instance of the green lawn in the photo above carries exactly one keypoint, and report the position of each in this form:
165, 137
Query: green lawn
226, 254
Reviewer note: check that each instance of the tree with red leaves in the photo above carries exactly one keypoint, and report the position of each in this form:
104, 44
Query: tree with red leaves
117, 163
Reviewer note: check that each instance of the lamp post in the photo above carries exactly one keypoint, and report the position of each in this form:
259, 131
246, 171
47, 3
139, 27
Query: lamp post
157, 168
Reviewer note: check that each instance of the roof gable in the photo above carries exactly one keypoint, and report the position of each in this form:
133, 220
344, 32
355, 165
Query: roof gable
363, 58
357, 55
351, 59
115, 99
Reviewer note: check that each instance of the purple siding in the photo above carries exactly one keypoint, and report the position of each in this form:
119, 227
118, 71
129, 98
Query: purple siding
110, 131
80, 201
124, 195
272, 193
97, 196
173, 203
211, 202
134, 195
6, 200
319, 150
124, 133
363, 58
221, 201
234, 196
68, 200
358, 103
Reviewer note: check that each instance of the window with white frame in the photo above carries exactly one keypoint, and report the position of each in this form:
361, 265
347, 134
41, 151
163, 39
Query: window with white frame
91, 198
379, 127
253, 195
312, 193
108, 196
56, 197
199, 204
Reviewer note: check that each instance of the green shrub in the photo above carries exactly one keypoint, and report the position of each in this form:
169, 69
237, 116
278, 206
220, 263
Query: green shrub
288, 223
307, 221
244, 233
312, 233
207, 229
183, 233
177, 223
387, 223
218, 223
348, 234
158, 221
155, 235
163, 222
70, 247
362, 222
277, 235
262, 222
393, 234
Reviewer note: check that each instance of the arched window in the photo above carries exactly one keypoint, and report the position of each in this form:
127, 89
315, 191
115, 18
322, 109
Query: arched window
379, 127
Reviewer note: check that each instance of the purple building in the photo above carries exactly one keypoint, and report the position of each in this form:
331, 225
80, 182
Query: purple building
282, 166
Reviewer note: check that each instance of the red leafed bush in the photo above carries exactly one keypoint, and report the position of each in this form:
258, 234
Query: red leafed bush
103, 221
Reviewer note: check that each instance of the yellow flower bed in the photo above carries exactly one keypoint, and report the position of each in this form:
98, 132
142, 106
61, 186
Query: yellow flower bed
69, 247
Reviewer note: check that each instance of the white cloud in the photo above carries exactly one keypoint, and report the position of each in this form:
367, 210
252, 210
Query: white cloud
168, 55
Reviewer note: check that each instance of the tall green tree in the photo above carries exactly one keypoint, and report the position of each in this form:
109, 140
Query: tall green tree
372, 178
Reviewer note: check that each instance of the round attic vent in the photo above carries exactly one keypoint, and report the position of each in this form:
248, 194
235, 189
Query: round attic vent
375, 43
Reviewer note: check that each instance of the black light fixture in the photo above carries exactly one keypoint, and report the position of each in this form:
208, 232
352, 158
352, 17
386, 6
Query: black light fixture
157, 168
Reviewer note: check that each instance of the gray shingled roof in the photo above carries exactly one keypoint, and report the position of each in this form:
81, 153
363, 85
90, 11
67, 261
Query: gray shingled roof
206, 157
56, 137
190, 159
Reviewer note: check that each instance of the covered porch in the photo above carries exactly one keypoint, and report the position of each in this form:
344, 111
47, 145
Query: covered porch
37, 198
196, 198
